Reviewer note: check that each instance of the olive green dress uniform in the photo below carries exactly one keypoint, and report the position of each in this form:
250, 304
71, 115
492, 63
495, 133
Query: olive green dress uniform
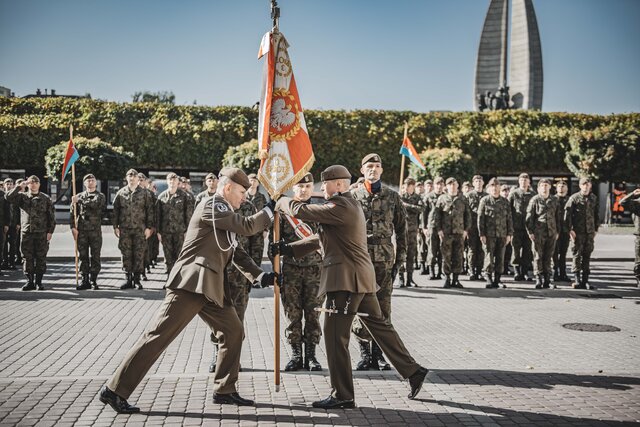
348, 280
413, 206
174, 213
452, 216
581, 215
562, 244
521, 256
435, 254
476, 252
37, 219
495, 224
90, 207
5, 219
543, 220
133, 212
631, 203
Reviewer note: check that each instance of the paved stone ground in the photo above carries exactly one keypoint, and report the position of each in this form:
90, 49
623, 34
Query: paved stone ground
497, 357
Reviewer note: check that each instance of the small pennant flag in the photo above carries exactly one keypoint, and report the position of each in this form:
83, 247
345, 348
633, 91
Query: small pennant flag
69, 158
409, 151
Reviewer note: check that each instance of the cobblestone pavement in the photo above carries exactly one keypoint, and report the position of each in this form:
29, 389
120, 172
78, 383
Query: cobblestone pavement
497, 357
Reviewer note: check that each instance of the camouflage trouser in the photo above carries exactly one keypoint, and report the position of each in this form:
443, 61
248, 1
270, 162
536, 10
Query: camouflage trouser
300, 298
544, 246
3, 239
133, 246
11, 245
560, 254
508, 250
521, 245
494, 254
581, 250
452, 247
435, 254
383, 279
89, 247
155, 246
147, 251
255, 248
412, 249
34, 248
423, 247
476, 252
171, 246
636, 265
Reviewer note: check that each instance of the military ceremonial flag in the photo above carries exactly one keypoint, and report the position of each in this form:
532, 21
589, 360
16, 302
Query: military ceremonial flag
71, 155
408, 150
283, 140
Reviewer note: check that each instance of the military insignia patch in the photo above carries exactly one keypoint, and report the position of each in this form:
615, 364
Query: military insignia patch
221, 207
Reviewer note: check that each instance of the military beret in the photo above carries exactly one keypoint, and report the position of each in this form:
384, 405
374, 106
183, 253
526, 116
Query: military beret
141, 175
252, 176
477, 177
210, 176
8, 181
172, 175
428, 182
494, 181
132, 172
584, 179
410, 181
306, 179
544, 181
450, 180
33, 178
419, 184
88, 176
561, 181
236, 175
438, 180
335, 172
524, 175
373, 157
466, 184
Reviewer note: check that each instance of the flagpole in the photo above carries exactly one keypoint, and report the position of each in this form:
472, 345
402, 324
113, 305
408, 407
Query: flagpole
406, 128
75, 209
276, 305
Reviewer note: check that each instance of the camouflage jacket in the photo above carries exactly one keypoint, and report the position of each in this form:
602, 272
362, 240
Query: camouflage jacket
174, 211
473, 198
429, 202
413, 205
544, 216
451, 214
519, 200
631, 203
288, 234
258, 201
581, 213
494, 217
248, 208
14, 211
562, 202
133, 209
384, 214
37, 214
90, 208
203, 195
5, 212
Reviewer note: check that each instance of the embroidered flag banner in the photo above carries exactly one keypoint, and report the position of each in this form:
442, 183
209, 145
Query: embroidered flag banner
408, 150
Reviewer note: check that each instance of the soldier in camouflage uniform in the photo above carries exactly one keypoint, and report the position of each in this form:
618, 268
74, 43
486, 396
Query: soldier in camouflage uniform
475, 258
451, 221
5, 219
300, 291
133, 223
582, 218
385, 216
495, 229
435, 254
149, 248
173, 211
562, 244
521, 243
423, 244
257, 200
185, 185
543, 220
412, 203
505, 190
154, 245
631, 203
211, 181
38, 221
86, 227
12, 255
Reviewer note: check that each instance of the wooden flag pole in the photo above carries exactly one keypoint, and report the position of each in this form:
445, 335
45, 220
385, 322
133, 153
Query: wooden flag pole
75, 207
276, 304
406, 128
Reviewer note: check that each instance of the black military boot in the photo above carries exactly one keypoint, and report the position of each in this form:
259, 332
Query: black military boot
39, 285
474, 274
585, 281
447, 281
310, 361
29, 286
519, 273
401, 279
556, 274
129, 283
416, 266
410, 281
144, 276
439, 275
539, 281
214, 359
546, 283
94, 284
84, 284
377, 358
432, 275
365, 356
296, 361
456, 281
496, 281
425, 269
577, 284
525, 272
563, 274
136, 280
489, 283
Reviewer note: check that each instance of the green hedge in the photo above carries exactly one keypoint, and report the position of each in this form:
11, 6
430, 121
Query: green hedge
196, 137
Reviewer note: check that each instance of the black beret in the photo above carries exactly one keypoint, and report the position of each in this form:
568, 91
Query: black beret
373, 157
306, 179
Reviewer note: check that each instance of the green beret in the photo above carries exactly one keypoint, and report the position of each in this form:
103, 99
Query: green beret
373, 157
236, 175
335, 172
308, 178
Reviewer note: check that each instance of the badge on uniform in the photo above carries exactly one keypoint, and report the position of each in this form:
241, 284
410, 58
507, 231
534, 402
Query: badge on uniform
221, 207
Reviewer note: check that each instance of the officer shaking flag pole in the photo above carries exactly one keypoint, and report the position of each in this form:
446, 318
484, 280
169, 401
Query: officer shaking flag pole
70, 158
284, 146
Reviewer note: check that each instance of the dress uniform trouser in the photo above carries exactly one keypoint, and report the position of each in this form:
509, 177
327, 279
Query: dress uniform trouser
178, 309
337, 330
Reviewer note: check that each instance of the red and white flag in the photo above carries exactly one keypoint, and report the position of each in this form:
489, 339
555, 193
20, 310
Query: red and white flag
284, 146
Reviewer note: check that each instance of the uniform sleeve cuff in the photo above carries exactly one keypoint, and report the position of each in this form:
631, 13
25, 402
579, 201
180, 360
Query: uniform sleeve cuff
269, 212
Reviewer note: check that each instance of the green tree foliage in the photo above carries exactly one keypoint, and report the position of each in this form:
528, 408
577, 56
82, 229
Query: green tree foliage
96, 157
161, 97
444, 162
243, 156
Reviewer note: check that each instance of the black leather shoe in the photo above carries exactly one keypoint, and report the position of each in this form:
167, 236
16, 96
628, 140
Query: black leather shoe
416, 380
333, 403
118, 404
232, 399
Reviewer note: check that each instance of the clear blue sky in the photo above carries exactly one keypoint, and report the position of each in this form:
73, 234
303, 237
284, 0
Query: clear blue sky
347, 54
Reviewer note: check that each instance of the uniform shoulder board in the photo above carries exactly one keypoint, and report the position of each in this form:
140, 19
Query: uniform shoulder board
221, 207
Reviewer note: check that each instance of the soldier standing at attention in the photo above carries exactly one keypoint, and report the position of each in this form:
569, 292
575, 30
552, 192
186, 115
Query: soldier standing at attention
581, 216
631, 203
87, 231
495, 229
174, 210
435, 254
423, 242
451, 221
543, 224
562, 244
300, 291
412, 203
385, 216
38, 220
154, 245
133, 222
505, 190
348, 279
185, 185
521, 244
149, 247
5, 219
476, 253
11, 237
211, 181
